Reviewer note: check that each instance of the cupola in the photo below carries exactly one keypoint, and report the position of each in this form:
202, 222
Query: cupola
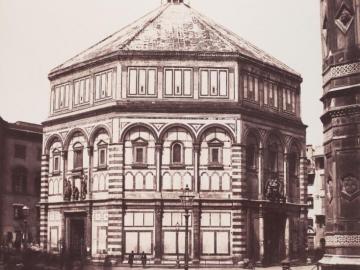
175, 1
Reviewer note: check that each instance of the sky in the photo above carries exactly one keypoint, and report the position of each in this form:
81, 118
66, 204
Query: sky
38, 35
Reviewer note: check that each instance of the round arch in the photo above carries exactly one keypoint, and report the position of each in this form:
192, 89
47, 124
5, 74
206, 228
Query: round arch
137, 125
177, 125
53, 138
95, 132
220, 126
71, 134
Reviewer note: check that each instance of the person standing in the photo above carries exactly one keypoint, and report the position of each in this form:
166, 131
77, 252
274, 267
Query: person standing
143, 259
131, 258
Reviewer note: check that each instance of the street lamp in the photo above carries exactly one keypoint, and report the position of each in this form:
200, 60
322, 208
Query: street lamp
187, 201
25, 212
177, 245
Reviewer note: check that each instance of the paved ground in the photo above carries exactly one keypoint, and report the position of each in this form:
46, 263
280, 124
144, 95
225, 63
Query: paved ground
308, 267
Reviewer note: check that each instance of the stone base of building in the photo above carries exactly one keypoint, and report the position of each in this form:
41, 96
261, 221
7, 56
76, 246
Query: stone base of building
340, 262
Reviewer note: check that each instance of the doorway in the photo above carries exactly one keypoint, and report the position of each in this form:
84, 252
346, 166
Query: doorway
77, 237
274, 238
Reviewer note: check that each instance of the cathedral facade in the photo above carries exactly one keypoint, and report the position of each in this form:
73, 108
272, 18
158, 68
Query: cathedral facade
174, 100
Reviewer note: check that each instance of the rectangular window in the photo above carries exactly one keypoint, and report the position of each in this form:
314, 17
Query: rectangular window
132, 81
214, 82
152, 82
20, 151
174, 241
275, 96
138, 242
78, 158
102, 156
256, 86
101, 239
104, 84
215, 242
62, 96
178, 82
139, 155
54, 238
215, 219
82, 91
223, 83
168, 82
187, 82
204, 83
135, 219
56, 164
142, 81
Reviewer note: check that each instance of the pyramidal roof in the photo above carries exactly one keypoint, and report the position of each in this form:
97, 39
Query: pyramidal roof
172, 28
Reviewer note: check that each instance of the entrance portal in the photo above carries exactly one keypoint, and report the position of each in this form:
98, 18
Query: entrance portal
77, 237
274, 238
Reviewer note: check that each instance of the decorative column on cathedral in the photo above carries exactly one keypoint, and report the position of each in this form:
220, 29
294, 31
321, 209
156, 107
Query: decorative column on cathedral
340, 23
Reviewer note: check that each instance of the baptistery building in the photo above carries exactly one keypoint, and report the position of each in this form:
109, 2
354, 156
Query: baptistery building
170, 101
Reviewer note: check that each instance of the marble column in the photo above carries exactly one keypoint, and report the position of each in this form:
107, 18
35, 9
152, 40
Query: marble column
261, 173
261, 236
287, 192
196, 148
287, 237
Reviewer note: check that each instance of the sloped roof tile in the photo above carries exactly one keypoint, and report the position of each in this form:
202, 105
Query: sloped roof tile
178, 28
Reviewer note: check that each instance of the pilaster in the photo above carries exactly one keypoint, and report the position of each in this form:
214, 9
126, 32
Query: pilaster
158, 152
238, 171
116, 173
196, 148
238, 233
158, 233
196, 229
303, 180
261, 173
43, 201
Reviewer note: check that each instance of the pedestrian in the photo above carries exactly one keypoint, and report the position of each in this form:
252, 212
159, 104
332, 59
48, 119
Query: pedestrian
131, 258
143, 259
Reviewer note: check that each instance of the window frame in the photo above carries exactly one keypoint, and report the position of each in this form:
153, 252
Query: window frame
102, 147
19, 180
210, 94
182, 155
140, 143
146, 93
173, 71
56, 156
215, 232
100, 74
85, 91
98, 228
63, 101
219, 145
78, 147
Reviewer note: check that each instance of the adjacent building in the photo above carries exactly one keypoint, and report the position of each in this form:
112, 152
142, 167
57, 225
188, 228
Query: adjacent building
316, 196
170, 101
340, 22
20, 164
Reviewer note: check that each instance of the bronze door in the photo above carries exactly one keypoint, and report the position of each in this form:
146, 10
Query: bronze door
77, 237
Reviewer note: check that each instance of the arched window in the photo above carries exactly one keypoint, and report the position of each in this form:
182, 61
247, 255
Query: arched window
19, 180
78, 155
177, 153
102, 154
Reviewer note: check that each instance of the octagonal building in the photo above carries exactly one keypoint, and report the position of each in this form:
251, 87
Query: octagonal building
174, 99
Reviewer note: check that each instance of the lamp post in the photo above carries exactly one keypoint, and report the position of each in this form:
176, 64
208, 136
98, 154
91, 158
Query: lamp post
177, 245
25, 212
187, 200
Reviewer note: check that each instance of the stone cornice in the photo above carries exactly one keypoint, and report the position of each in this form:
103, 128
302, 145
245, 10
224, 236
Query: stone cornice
213, 56
182, 107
